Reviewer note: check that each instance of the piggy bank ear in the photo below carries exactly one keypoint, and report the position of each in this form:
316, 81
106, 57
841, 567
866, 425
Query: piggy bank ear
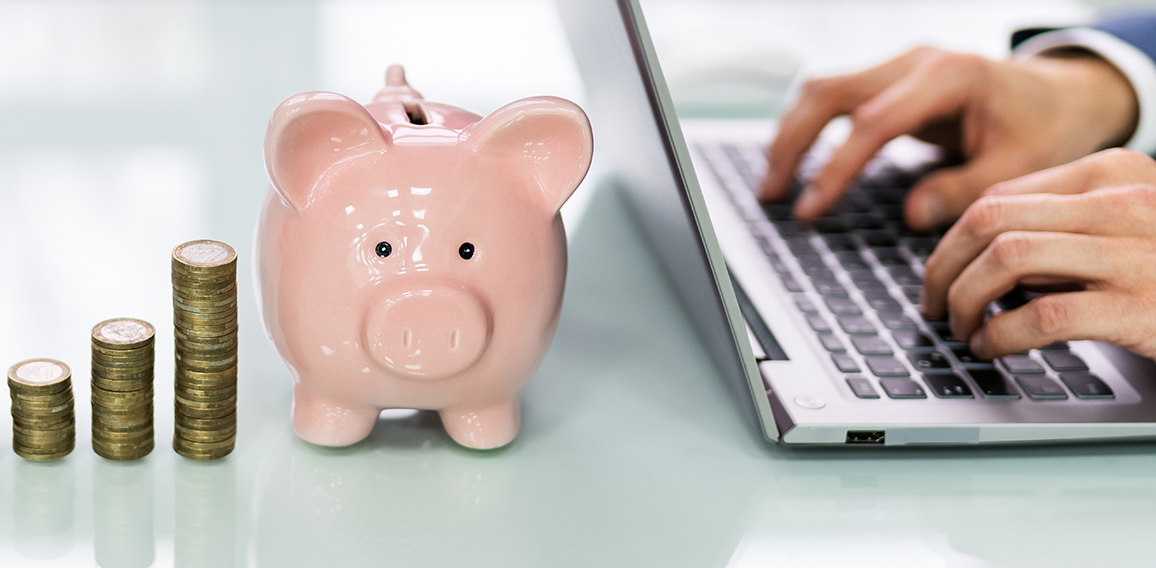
308, 134
549, 136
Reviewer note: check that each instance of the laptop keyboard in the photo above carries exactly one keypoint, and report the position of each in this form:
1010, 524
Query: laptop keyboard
855, 276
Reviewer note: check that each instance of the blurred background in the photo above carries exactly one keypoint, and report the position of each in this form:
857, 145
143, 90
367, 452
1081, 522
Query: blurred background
128, 127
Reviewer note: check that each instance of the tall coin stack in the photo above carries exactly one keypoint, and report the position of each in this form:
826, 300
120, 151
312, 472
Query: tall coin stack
43, 423
205, 327
122, 389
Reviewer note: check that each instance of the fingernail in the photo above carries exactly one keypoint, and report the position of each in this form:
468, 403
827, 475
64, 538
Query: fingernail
930, 211
807, 202
977, 345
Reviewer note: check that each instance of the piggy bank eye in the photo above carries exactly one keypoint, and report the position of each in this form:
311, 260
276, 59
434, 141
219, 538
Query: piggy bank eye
466, 251
383, 249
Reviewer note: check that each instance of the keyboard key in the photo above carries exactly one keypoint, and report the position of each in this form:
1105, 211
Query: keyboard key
895, 320
830, 289
875, 239
920, 245
790, 283
1040, 387
912, 293
871, 345
1021, 365
948, 386
830, 225
884, 366
891, 212
887, 305
902, 388
1064, 361
1087, 385
843, 307
992, 384
943, 330
820, 272
852, 260
863, 221
904, 275
968, 359
840, 242
845, 363
862, 388
865, 280
777, 212
805, 305
818, 324
930, 361
800, 245
810, 261
856, 325
1056, 346
832, 343
890, 257
912, 340
790, 228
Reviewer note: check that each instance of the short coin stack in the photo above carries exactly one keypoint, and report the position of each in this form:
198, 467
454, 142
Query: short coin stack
122, 389
43, 422
205, 327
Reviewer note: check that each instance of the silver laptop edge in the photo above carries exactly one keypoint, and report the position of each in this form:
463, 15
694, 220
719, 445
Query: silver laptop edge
640, 135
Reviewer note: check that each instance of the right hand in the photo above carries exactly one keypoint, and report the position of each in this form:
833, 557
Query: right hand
1004, 118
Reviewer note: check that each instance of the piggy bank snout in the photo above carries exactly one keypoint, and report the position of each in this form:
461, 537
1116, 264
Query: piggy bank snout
429, 334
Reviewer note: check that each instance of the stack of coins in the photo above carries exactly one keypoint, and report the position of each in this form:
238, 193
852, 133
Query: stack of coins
122, 389
205, 326
43, 424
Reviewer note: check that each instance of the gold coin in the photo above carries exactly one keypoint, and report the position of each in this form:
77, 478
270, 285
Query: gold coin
122, 385
204, 255
31, 456
122, 333
39, 376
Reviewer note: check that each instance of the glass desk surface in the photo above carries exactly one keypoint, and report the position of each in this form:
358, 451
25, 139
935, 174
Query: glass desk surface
129, 128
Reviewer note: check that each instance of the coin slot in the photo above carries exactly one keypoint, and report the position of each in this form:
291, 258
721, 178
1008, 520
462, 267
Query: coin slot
415, 112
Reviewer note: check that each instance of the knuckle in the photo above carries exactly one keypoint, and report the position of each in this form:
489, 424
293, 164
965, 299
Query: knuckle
1112, 160
1011, 249
982, 219
819, 89
1051, 316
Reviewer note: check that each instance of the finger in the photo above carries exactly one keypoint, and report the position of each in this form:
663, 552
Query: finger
942, 196
820, 101
992, 216
1109, 167
1015, 255
1072, 316
931, 92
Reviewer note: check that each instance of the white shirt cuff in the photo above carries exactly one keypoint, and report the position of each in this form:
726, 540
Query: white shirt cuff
1133, 63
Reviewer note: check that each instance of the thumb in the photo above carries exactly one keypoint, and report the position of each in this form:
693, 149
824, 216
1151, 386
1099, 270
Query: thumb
941, 197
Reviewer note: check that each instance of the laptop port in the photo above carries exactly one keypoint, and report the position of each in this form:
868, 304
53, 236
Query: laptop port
866, 436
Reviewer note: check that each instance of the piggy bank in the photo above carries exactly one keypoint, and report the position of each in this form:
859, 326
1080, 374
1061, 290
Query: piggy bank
412, 255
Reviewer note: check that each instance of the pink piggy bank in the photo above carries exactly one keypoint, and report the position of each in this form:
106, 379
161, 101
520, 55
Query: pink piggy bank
412, 255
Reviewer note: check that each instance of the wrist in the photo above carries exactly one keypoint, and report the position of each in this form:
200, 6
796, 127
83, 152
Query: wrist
1090, 91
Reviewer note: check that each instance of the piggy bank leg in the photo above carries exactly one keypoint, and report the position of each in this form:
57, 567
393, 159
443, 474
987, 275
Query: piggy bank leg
327, 423
483, 428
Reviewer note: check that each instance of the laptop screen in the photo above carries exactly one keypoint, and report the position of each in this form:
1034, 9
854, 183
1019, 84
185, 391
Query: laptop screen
638, 136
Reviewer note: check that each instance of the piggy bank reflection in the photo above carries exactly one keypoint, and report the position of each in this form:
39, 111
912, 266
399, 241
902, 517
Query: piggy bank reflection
412, 255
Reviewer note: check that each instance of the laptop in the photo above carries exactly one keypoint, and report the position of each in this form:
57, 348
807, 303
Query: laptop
818, 326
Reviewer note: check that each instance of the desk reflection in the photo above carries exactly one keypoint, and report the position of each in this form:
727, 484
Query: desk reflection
44, 508
206, 508
122, 513
406, 495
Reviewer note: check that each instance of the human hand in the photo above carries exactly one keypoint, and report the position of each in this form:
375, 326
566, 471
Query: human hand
1004, 118
1093, 233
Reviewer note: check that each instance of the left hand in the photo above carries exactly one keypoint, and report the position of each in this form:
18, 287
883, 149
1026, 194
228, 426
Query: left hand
1093, 232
